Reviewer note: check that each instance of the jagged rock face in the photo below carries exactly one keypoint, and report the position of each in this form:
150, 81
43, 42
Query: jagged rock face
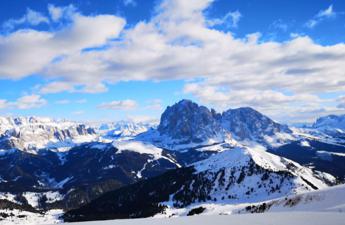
189, 122
247, 123
28, 133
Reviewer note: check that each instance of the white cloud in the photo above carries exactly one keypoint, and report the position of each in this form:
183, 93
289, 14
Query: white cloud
24, 102
177, 43
29, 102
56, 13
326, 13
127, 104
56, 87
322, 15
25, 52
31, 18
231, 19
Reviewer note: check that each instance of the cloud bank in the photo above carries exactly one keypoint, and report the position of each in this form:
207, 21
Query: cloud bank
178, 42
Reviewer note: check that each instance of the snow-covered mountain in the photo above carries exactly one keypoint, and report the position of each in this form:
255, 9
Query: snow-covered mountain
248, 124
331, 127
33, 133
187, 124
195, 156
330, 122
124, 129
239, 175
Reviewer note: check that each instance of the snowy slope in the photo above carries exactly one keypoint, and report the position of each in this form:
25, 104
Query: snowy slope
235, 176
244, 175
325, 206
247, 219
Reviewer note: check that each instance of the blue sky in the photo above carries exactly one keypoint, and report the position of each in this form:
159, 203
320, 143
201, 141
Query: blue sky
128, 59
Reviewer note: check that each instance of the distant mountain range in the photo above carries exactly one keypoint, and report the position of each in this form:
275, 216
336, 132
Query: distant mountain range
194, 156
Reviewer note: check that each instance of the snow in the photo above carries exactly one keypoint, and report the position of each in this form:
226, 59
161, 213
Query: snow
28, 218
139, 147
305, 143
7, 196
331, 199
296, 218
279, 139
63, 182
32, 198
109, 167
330, 153
53, 196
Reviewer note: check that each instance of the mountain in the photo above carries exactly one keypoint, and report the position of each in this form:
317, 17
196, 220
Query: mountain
330, 122
33, 133
240, 175
248, 124
313, 153
194, 158
331, 127
82, 173
186, 122
124, 129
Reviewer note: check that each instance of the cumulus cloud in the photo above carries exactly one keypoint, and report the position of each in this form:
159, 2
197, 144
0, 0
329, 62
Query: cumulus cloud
178, 43
31, 17
127, 104
322, 15
25, 52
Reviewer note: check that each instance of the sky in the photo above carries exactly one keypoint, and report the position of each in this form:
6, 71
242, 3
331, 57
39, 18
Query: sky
109, 60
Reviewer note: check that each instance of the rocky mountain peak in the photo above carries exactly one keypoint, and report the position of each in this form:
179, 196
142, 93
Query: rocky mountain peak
247, 123
190, 122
